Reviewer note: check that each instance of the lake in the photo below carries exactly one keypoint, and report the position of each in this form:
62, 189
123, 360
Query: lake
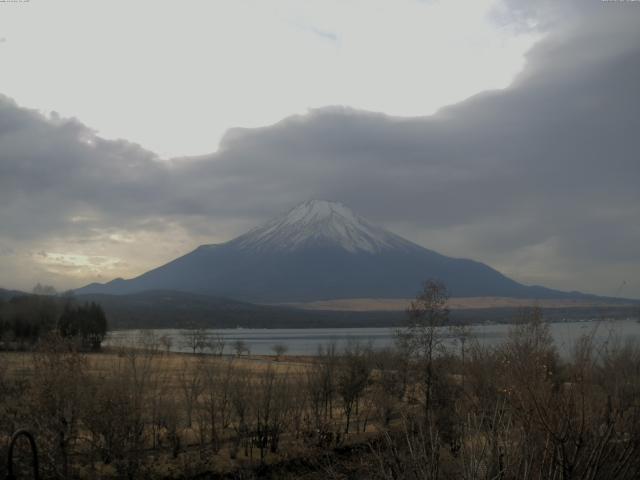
303, 341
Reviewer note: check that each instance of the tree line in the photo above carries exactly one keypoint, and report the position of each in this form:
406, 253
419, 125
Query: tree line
26, 319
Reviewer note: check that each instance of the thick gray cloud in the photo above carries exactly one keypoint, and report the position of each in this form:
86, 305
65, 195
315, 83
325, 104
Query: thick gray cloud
540, 179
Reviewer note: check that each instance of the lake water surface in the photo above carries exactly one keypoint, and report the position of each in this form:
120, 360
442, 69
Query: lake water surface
306, 341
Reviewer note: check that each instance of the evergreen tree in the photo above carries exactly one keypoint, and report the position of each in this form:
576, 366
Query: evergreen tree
86, 322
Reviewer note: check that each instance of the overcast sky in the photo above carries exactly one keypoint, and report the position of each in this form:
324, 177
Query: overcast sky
482, 129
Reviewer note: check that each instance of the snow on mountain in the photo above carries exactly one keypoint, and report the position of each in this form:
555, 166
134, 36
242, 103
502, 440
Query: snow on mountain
319, 223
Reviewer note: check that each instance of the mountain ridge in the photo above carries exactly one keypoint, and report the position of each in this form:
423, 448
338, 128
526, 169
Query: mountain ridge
321, 250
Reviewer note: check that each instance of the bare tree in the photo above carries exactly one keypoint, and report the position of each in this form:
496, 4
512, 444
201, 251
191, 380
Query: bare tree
190, 383
216, 395
40, 289
353, 377
422, 335
241, 404
461, 335
271, 410
240, 347
320, 391
57, 393
166, 342
195, 339
388, 383
217, 344
148, 341
279, 349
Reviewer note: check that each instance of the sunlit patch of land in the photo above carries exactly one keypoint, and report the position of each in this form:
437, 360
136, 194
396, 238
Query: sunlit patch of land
400, 304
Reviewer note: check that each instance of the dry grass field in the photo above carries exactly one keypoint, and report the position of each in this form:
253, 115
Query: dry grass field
21, 364
170, 414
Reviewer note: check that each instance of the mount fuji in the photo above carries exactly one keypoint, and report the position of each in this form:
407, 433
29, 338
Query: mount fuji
321, 250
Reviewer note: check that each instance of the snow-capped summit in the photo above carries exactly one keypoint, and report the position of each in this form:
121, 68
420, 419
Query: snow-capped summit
320, 224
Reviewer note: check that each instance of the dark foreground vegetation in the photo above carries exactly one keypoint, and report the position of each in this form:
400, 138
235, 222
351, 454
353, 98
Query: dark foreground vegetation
418, 411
